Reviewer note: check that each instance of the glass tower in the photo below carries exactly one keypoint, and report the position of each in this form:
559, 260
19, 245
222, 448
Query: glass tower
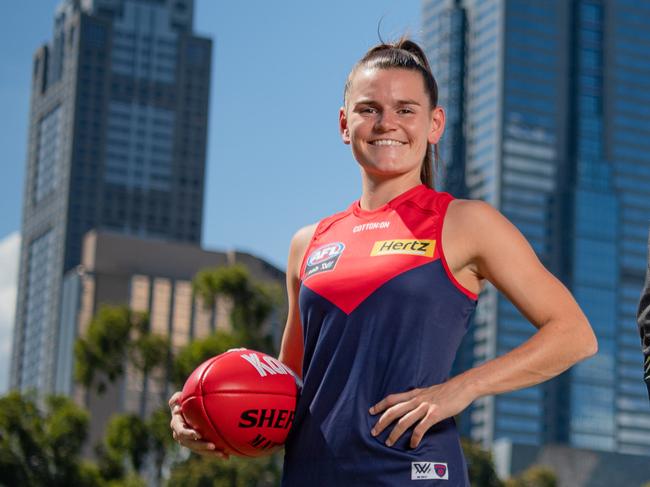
550, 101
117, 141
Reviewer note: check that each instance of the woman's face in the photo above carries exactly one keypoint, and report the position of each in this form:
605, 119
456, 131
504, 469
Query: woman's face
388, 122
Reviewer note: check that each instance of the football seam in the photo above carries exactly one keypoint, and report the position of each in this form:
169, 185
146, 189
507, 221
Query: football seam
214, 426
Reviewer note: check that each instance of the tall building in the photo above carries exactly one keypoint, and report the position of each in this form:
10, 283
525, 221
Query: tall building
117, 140
550, 98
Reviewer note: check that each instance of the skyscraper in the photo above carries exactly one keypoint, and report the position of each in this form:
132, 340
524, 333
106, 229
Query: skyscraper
548, 101
117, 140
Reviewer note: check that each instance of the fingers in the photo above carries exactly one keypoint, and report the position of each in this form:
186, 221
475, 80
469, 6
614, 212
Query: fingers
181, 431
175, 399
423, 426
393, 399
204, 448
188, 437
405, 422
408, 413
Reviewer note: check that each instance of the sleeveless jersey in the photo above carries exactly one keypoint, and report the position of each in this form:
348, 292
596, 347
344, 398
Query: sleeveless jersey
381, 314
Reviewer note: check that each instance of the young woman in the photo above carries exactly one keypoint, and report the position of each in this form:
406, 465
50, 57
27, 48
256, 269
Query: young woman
380, 296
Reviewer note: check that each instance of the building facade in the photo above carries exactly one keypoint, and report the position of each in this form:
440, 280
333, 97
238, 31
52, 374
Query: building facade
117, 140
155, 277
554, 129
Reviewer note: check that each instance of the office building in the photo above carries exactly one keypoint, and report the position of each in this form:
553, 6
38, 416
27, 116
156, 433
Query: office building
152, 276
117, 140
550, 98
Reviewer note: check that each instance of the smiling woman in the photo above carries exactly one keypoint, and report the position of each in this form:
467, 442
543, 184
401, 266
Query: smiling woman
381, 294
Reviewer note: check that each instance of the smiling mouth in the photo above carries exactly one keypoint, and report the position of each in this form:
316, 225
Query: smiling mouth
386, 142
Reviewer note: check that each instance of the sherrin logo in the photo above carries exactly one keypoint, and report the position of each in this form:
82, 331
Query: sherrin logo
429, 470
404, 246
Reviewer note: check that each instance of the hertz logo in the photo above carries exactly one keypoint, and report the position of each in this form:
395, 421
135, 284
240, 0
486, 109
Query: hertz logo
412, 247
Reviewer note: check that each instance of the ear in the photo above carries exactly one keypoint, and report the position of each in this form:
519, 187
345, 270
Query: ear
437, 125
343, 126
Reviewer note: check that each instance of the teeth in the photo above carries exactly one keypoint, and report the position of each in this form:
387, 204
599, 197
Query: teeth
386, 142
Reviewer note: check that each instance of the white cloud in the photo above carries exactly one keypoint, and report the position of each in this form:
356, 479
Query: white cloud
9, 254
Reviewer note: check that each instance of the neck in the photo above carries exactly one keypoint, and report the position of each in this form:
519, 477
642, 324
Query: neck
377, 193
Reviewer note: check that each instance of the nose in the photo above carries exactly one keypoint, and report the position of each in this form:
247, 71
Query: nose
386, 121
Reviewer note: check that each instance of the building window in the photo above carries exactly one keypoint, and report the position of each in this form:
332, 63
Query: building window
48, 154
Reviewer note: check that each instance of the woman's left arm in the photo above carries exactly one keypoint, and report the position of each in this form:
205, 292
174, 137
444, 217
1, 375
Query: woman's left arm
488, 246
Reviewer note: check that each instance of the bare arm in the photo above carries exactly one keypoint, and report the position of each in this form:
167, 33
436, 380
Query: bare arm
503, 256
481, 244
291, 350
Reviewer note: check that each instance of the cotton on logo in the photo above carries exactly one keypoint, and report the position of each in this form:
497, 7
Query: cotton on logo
429, 470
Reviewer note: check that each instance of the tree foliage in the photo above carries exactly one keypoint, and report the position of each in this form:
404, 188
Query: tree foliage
236, 472
127, 438
535, 476
252, 305
198, 351
253, 302
114, 335
118, 336
480, 465
42, 447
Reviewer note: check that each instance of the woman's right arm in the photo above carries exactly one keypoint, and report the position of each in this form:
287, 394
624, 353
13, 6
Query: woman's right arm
291, 350
290, 353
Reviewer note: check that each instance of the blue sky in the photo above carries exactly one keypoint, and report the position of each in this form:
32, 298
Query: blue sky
275, 160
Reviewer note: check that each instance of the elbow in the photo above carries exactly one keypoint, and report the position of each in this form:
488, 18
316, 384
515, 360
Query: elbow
590, 347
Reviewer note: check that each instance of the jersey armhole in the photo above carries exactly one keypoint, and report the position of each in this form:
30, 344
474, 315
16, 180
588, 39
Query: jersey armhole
313, 238
444, 204
323, 225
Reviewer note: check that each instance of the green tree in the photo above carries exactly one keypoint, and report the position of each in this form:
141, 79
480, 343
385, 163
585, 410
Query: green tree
236, 472
252, 302
196, 352
535, 476
252, 305
42, 446
480, 465
114, 335
127, 439
161, 444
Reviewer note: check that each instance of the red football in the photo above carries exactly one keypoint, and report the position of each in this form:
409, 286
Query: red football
242, 400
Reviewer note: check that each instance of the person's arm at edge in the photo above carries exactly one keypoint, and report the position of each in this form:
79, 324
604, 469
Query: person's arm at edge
643, 322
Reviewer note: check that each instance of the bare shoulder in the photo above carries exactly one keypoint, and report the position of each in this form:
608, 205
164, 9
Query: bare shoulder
477, 222
486, 237
300, 240
303, 236
471, 212
299, 243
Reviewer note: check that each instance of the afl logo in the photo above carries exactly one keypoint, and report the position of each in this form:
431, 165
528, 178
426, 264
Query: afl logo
324, 258
326, 252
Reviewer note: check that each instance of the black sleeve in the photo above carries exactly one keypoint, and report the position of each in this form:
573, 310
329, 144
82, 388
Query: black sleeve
643, 320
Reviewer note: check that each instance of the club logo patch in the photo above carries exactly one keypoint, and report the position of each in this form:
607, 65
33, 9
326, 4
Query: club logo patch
324, 258
425, 248
429, 470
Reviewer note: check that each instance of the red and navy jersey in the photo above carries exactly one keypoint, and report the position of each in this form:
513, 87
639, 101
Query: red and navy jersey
381, 314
